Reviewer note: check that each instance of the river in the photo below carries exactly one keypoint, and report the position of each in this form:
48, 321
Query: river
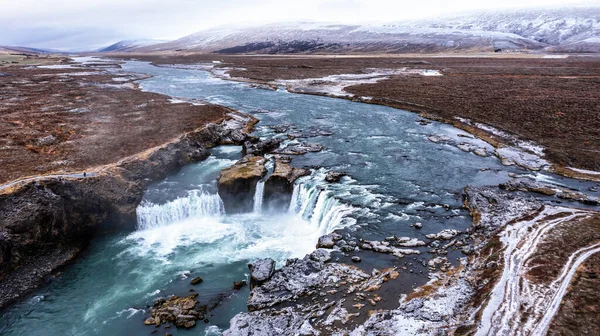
396, 178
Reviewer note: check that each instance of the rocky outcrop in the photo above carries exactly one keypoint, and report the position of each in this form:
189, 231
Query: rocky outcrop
528, 185
261, 147
56, 217
308, 295
315, 295
45, 221
492, 209
182, 312
237, 184
261, 271
299, 148
549, 190
578, 197
280, 184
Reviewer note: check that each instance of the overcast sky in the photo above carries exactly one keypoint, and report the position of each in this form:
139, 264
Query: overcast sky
82, 24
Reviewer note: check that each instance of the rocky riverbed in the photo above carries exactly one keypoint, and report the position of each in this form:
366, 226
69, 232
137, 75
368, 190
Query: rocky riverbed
316, 295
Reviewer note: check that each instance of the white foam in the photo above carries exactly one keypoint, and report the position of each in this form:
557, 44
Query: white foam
228, 149
161, 241
213, 331
199, 223
399, 218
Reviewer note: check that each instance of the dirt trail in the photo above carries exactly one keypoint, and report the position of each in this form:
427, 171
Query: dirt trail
517, 305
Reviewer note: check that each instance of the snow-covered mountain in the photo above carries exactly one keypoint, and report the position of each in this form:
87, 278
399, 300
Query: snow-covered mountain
559, 28
570, 29
126, 45
323, 37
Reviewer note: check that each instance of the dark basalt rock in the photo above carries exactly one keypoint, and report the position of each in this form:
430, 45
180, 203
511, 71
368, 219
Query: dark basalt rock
196, 281
261, 271
262, 147
527, 185
310, 133
187, 321
299, 149
578, 197
237, 184
237, 285
44, 224
282, 128
183, 312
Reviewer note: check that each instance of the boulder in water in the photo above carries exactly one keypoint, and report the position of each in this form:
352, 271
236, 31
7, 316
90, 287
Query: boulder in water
261, 271
334, 176
299, 149
237, 285
183, 312
326, 241
237, 184
261, 147
196, 281
187, 321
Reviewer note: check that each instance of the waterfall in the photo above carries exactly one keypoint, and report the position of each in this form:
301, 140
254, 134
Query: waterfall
259, 193
258, 196
196, 203
316, 205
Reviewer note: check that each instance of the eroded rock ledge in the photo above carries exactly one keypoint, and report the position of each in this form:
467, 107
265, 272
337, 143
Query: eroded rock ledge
45, 222
237, 184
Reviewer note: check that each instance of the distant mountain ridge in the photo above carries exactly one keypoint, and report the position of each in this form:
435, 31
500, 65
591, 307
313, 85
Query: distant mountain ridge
126, 45
23, 50
565, 30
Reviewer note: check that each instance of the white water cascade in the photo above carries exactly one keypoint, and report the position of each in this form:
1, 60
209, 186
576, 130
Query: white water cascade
259, 193
315, 204
258, 196
197, 203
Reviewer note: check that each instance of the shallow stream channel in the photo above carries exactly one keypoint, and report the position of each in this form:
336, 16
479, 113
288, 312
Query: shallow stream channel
395, 179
